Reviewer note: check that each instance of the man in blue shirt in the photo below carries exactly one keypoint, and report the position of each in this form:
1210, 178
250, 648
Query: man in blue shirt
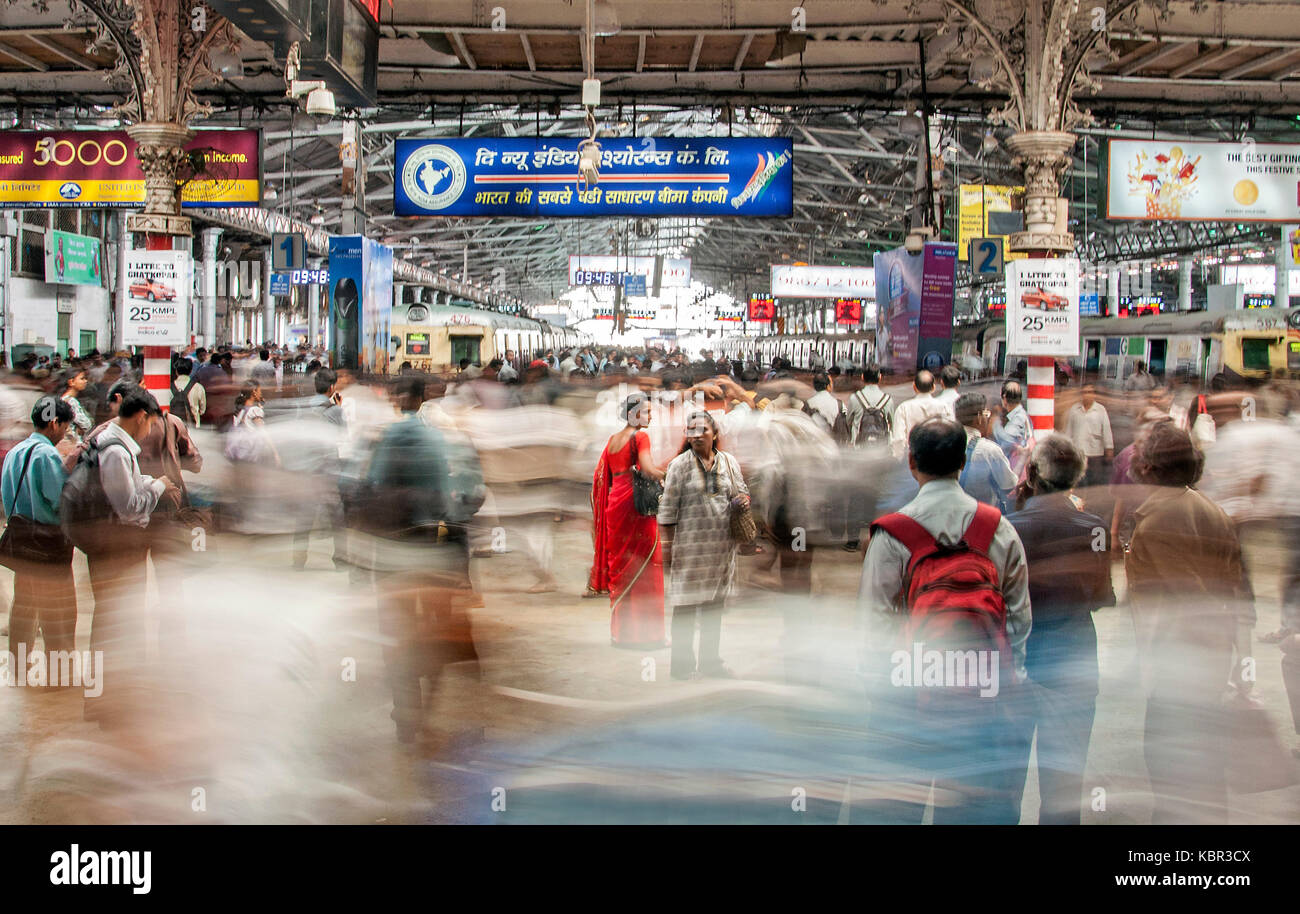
1014, 431
31, 482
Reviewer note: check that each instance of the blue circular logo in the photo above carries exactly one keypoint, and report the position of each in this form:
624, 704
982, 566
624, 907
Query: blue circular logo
433, 177
70, 190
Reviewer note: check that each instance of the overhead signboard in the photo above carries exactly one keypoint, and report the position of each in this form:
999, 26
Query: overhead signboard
804, 281
280, 284
73, 259
1043, 307
651, 176
158, 298
99, 168
987, 211
608, 270
1172, 179
761, 308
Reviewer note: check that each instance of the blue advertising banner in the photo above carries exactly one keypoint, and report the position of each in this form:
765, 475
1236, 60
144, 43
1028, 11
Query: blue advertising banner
914, 304
647, 176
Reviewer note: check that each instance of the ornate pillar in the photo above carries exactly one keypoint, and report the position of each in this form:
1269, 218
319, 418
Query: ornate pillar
313, 309
1044, 155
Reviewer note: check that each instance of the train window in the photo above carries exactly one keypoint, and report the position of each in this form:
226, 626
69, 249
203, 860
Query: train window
1254, 354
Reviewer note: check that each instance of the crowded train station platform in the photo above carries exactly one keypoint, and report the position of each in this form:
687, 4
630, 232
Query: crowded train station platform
625, 413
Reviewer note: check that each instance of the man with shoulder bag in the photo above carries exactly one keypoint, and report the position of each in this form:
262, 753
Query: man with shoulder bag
33, 544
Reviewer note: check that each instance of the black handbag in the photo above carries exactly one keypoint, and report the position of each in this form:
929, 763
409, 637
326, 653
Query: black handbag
26, 542
646, 492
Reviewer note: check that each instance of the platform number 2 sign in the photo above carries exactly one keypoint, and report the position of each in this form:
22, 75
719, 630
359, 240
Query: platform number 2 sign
986, 257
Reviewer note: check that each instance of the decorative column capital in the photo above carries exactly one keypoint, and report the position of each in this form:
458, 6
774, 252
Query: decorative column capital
1044, 155
160, 149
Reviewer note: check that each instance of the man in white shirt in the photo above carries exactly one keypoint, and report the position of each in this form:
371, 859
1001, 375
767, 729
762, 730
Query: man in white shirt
1088, 425
568, 366
949, 380
507, 372
913, 412
826, 408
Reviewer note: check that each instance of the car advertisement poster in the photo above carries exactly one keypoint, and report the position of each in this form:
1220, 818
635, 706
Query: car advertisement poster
158, 298
74, 260
1043, 307
1172, 179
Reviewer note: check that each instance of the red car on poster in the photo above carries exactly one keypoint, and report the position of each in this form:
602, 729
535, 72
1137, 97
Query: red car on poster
152, 289
1043, 300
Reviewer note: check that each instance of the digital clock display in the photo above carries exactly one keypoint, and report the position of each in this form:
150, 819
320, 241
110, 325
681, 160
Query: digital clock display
309, 277
598, 278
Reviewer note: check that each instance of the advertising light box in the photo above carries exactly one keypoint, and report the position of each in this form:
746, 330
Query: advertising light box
88, 168
649, 176
803, 281
1043, 307
1172, 179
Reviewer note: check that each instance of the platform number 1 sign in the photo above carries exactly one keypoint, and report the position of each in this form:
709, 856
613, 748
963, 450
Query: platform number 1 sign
986, 258
288, 251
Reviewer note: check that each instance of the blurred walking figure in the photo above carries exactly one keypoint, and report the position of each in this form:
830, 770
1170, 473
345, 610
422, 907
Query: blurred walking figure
946, 574
1069, 578
627, 549
1188, 588
700, 487
31, 483
189, 400
986, 475
419, 574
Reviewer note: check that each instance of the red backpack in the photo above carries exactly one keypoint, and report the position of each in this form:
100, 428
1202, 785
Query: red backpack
952, 595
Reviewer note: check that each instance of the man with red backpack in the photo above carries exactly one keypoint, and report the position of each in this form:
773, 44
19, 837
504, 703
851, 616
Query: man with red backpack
945, 599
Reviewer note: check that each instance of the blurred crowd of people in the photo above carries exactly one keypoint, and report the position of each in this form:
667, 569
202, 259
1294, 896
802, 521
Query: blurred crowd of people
699, 464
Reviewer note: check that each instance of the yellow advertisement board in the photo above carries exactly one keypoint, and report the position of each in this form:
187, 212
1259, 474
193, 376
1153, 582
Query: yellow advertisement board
975, 203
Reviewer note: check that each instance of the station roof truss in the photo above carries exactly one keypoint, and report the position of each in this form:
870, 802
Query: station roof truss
840, 84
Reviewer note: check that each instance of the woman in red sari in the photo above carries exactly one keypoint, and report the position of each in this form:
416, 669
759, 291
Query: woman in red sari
627, 559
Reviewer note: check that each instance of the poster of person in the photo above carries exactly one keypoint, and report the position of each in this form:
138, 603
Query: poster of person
157, 298
1043, 307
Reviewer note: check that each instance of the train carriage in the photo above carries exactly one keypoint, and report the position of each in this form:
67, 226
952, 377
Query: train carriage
436, 338
1256, 344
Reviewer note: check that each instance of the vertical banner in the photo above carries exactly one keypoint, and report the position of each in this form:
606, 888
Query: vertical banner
938, 293
157, 298
376, 307
361, 303
1043, 307
898, 308
347, 279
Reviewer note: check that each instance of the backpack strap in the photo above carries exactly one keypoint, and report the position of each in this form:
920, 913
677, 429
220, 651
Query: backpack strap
910, 533
979, 535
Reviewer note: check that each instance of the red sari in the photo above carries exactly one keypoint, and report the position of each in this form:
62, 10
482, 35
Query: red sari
627, 557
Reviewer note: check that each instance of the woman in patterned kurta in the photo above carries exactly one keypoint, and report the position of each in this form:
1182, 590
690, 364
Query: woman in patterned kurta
695, 533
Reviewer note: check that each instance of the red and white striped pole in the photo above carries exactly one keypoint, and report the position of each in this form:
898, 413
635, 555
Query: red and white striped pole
1040, 394
157, 359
